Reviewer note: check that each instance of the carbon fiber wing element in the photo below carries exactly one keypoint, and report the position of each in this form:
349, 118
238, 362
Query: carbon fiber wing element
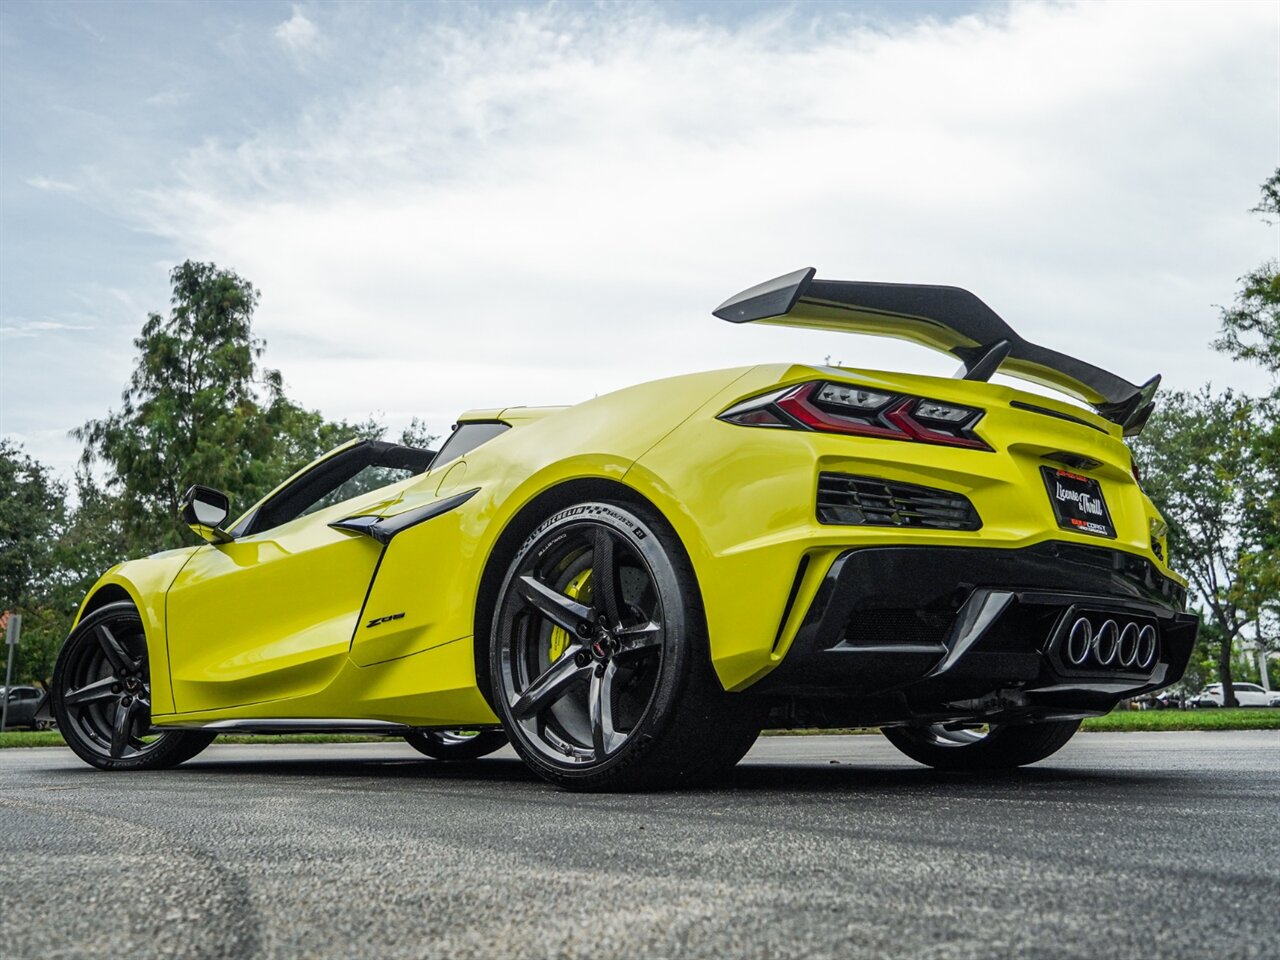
947, 319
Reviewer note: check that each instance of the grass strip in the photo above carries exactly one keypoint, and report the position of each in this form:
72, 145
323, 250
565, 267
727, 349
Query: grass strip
1245, 718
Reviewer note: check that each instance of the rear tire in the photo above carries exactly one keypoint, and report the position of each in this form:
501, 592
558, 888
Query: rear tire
599, 658
456, 745
102, 696
1003, 747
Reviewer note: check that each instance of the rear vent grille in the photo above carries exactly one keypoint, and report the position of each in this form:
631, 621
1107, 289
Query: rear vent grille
847, 499
897, 626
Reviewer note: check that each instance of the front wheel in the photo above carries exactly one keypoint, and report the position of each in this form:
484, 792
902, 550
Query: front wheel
102, 696
456, 744
599, 658
966, 747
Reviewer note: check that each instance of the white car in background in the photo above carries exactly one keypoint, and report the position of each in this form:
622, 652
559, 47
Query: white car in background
1247, 695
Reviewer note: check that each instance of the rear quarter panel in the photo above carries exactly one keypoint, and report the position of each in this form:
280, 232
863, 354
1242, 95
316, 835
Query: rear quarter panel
743, 501
431, 573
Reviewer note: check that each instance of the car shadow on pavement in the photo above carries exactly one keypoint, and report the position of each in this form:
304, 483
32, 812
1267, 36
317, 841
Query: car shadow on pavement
845, 776
490, 769
761, 778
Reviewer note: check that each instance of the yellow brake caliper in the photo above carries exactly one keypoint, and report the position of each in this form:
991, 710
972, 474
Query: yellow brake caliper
579, 588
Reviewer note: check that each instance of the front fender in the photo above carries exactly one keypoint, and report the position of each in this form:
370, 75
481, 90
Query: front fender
146, 582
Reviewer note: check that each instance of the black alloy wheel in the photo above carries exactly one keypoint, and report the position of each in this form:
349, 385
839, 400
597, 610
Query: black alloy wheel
102, 696
456, 744
956, 746
599, 661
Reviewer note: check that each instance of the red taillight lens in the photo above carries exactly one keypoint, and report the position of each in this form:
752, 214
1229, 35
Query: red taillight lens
760, 418
849, 409
798, 403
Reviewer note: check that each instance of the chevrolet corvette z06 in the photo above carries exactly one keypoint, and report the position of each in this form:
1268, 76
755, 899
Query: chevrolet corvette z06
628, 590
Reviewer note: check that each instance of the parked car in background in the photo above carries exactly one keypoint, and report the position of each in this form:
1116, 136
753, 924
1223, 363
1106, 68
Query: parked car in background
1247, 695
1164, 700
23, 704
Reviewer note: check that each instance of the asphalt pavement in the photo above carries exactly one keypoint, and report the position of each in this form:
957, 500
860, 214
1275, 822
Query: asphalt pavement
1123, 845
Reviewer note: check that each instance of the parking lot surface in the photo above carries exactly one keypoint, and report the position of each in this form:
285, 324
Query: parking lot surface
1122, 845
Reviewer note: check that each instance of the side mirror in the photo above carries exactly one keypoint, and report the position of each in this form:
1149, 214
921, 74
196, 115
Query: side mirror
205, 510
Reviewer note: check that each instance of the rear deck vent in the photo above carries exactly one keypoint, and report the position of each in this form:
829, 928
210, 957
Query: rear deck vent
847, 499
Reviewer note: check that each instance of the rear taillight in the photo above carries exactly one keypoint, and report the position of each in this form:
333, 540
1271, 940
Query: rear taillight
848, 408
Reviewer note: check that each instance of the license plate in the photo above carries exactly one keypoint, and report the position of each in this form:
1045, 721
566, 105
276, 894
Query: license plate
1078, 503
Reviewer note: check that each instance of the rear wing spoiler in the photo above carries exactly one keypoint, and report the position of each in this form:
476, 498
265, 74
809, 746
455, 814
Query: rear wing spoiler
948, 319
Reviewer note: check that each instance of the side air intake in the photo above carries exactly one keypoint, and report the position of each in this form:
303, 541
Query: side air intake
849, 499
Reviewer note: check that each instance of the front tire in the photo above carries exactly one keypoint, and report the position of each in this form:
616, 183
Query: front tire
1001, 747
102, 696
599, 659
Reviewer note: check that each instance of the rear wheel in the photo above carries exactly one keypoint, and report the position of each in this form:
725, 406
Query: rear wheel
969, 747
456, 744
599, 660
102, 696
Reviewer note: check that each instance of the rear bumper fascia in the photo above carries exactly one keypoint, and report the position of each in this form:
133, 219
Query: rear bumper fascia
997, 617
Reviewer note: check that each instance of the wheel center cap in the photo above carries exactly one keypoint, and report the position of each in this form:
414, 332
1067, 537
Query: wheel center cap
604, 646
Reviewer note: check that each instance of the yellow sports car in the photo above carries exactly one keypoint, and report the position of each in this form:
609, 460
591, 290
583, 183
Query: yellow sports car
631, 588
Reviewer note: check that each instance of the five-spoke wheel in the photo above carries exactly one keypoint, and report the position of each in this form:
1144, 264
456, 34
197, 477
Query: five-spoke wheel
102, 696
597, 657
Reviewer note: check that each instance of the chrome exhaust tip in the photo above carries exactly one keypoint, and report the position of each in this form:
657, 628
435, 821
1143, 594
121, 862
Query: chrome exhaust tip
1148, 646
1106, 643
1128, 651
1078, 642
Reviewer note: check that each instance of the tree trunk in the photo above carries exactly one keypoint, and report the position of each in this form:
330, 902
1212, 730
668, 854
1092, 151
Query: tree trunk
1224, 669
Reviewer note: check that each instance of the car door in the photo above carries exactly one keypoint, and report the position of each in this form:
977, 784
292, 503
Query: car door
22, 706
30, 701
1249, 695
270, 615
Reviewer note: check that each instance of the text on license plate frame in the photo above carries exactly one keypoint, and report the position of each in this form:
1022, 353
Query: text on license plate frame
1078, 503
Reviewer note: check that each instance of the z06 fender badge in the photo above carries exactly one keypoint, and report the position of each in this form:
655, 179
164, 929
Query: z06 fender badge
378, 620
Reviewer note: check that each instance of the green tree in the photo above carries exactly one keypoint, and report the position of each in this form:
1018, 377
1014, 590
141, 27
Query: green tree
33, 515
1251, 325
32, 511
200, 409
417, 435
1251, 332
1212, 466
1196, 459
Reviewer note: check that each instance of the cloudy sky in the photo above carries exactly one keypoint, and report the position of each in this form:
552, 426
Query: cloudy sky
463, 205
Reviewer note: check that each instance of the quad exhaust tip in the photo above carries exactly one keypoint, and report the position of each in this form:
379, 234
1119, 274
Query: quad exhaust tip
1126, 646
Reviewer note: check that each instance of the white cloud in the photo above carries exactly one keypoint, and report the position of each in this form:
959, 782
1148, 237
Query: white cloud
546, 204
297, 34
51, 186
33, 328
